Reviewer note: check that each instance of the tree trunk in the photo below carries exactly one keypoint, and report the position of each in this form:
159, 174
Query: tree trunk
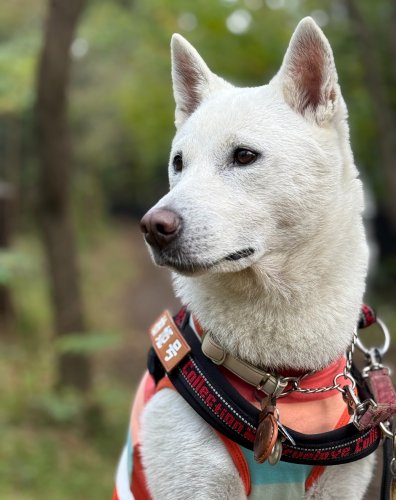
6, 218
376, 85
392, 40
55, 174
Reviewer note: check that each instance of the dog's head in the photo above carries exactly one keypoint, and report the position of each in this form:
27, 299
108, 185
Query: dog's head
253, 171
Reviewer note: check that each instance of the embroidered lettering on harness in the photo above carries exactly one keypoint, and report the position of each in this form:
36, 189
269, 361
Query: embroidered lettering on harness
359, 446
198, 383
168, 342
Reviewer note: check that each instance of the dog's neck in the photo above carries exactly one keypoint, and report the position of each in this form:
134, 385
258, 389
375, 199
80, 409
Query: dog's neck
296, 309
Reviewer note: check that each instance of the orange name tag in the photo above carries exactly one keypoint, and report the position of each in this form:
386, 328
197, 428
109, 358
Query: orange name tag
168, 342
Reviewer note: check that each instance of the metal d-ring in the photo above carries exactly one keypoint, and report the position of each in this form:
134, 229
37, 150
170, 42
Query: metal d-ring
346, 376
382, 350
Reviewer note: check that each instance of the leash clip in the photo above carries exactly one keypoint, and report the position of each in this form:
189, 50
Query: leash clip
374, 361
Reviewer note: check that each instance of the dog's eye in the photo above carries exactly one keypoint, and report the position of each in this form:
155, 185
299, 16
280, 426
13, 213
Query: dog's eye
244, 156
178, 163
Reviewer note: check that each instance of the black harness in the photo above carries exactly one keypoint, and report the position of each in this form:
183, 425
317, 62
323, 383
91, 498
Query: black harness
201, 383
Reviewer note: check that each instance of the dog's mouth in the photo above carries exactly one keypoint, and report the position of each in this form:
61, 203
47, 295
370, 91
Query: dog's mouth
185, 265
241, 254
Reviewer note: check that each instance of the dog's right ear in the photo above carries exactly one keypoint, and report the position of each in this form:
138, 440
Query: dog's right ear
308, 75
193, 82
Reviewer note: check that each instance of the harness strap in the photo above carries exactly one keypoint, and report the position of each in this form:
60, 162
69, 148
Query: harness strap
381, 387
202, 385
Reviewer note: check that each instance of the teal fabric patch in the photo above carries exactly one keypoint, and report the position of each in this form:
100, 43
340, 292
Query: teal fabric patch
289, 491
282, 481
129, 453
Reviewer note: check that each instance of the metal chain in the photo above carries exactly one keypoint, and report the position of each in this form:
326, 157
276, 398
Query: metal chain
346, 374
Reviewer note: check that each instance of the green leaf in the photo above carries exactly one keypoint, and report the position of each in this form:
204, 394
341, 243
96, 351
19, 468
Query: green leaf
82, 343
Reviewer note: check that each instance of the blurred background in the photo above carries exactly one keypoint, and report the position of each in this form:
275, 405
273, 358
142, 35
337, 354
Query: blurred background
86, 120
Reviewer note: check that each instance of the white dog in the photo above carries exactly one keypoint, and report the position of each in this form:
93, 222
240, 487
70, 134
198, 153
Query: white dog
263, 230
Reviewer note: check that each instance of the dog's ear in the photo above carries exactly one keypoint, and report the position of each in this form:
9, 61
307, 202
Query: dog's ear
193, 81
308, 76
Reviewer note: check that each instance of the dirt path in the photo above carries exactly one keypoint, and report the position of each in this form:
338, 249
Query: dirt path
147, 295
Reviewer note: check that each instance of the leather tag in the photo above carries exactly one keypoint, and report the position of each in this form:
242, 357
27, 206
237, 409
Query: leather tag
266, 435
168, 342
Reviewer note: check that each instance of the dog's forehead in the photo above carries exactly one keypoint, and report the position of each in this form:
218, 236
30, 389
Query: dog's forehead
238, 115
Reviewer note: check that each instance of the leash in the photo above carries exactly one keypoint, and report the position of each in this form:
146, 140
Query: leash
178, 352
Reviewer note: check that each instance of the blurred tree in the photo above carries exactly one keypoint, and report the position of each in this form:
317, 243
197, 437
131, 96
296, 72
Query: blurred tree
55, 173
6, 204
380, 92
374, 29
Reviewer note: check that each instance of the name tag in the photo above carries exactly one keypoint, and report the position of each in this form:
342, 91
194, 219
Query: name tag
168, 342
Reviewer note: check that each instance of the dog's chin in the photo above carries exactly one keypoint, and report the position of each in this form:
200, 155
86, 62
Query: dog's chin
187, 266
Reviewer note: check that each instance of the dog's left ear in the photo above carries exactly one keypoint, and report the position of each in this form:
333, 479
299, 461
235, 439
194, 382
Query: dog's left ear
193, 82
308, 76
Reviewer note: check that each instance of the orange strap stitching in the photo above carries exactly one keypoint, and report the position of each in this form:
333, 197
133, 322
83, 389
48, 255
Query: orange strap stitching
239, 461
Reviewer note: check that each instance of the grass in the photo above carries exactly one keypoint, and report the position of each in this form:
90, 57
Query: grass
49, 447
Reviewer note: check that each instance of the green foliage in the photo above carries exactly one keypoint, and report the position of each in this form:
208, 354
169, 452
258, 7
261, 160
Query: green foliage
59, 408
121, 105
127, 71
11, 264
63, 445
20, 40
87, 344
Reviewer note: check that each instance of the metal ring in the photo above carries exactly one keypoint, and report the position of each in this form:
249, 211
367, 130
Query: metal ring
346, 376
382, 350
386, 432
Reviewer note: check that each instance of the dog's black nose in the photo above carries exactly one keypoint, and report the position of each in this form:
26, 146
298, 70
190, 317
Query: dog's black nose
160, 227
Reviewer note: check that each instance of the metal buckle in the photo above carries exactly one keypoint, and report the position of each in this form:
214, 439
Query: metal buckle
361, 409
272, 386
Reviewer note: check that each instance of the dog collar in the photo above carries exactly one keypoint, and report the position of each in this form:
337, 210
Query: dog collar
277, 385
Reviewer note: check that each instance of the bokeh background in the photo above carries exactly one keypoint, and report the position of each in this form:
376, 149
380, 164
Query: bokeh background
86, 120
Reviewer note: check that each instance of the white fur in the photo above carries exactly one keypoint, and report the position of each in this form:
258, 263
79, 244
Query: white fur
183, 456
295, 301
